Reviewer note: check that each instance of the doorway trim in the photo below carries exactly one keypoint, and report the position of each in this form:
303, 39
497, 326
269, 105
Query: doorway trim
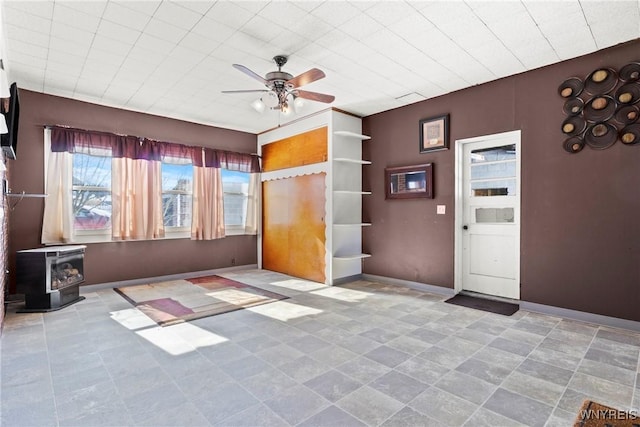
458, 198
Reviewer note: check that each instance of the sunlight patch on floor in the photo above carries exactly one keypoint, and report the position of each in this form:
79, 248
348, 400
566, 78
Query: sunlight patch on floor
342, 294
180, 339
175, 339
234, 296
299, 285
282, 310
132, 319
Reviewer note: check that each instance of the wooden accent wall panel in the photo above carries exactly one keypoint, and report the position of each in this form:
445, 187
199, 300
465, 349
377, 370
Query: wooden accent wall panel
293, 240
298, 150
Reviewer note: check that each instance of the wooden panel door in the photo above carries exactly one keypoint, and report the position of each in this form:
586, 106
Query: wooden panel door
293, 227
307, 229
275, 225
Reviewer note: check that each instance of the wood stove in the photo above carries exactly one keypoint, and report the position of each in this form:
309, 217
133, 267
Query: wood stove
50, 277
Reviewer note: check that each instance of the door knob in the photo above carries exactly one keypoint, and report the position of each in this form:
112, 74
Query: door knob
465, 227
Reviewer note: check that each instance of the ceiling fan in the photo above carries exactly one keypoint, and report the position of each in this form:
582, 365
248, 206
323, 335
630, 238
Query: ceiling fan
282, 87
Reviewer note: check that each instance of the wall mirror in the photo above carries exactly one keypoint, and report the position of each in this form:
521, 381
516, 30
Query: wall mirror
409, 182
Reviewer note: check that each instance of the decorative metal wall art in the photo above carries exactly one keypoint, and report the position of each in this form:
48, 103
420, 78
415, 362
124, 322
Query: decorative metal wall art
601, 109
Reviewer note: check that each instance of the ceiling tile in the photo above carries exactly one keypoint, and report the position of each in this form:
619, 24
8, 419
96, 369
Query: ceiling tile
149, 42
389, 12
198, 6
75, 18
361, 26
93, 8
165, 31
230, 13
24, 19
281, 13
120, 14
42, 9
337, 13
118, 32
261, 29
28, 35
177, 15
213, 30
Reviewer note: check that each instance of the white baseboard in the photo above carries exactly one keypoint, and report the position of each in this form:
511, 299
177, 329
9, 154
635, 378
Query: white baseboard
122, 283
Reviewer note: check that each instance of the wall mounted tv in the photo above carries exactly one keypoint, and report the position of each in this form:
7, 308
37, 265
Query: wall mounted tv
9, 141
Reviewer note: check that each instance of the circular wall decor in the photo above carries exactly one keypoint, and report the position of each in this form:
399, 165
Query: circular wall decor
571, 87
630, 135
599, 108
573, 145
630, 72
601, 135
628, 93
627, 114
573, 126
601, 81
573, 106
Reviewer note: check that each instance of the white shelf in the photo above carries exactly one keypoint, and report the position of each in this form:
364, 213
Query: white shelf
351, 192
345, 160
361, 224
351, 135
351, 257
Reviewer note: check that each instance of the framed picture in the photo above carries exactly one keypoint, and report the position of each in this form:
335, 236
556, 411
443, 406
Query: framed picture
409, 182
434, 134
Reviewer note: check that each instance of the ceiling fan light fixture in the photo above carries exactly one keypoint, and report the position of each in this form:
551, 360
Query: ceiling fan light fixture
259, 105
298, 102
286, 108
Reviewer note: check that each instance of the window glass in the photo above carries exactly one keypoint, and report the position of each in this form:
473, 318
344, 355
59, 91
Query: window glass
235, 186
493, 171
91, 192
177, 190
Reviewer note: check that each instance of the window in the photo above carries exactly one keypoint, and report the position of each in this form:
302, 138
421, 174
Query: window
91, 198
106, 187
177, 187
235, 186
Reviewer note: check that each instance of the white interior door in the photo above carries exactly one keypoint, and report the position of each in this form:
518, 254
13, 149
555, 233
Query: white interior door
490, 222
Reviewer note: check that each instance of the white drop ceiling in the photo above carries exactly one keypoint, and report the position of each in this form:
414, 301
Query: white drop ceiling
173, 58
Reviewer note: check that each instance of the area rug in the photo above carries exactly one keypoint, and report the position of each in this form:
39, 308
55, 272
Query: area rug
177, 301
593, 414
484, 304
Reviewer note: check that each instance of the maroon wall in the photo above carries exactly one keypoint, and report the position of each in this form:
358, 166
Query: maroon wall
107, 262
580, 233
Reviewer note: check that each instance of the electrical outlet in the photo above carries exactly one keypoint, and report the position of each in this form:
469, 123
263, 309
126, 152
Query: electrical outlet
441, 209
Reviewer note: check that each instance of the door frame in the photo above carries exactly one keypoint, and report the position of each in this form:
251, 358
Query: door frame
459, 200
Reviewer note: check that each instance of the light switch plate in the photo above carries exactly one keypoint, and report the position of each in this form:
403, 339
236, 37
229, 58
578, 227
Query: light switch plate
441, 209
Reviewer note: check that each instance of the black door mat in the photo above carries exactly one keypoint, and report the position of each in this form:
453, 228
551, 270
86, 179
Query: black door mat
484, 304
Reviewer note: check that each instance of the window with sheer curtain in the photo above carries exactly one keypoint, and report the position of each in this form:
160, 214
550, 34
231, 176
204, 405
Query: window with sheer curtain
105, 187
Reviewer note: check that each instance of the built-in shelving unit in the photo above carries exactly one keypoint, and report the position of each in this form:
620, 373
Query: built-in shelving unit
352, 257
357, 161
347, 193
342, 166
350, 134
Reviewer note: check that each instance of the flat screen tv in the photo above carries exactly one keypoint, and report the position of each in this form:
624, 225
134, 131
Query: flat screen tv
9, 141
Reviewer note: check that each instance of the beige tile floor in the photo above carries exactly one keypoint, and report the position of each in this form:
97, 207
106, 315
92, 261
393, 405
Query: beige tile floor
361, 354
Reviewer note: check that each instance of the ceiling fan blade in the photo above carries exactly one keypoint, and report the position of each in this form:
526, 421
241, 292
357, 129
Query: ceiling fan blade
307, 77
245, 91
315, 96
250, 73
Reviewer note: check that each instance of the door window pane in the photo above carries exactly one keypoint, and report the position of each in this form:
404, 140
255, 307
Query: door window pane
494, 215
493, 171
